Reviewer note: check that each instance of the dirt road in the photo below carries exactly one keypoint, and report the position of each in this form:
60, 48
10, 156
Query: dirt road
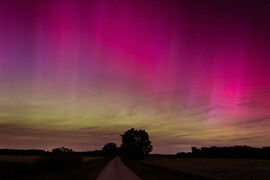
116, 170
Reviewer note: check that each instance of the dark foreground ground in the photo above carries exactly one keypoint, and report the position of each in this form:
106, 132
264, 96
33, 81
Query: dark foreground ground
25, 167
151, 168
174, 168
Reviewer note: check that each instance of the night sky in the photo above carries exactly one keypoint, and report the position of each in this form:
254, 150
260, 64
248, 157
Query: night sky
79, 73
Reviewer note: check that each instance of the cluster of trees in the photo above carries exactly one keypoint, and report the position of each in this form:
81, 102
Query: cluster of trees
228, 152
135, 144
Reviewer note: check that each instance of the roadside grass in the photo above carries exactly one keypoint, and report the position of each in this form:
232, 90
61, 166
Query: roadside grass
88, 158
96, 166
26, 167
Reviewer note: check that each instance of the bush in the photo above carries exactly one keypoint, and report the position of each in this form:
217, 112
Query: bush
109, 149
58, 161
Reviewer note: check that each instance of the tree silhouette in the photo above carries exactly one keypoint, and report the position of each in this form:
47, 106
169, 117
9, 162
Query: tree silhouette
61, 150
136, 143
109, 149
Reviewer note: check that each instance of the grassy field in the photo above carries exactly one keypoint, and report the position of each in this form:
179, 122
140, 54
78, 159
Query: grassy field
32, 159
26, 167
203, 168
153, 172
19, 159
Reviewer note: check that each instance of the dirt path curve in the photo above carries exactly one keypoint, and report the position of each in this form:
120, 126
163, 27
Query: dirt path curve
116, 170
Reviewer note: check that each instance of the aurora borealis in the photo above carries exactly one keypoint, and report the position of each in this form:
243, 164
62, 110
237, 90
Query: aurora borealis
79, 73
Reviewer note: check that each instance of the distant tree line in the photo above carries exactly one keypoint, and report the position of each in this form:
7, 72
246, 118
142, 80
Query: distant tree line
37, 152
135, 144
22, 152
227, 152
